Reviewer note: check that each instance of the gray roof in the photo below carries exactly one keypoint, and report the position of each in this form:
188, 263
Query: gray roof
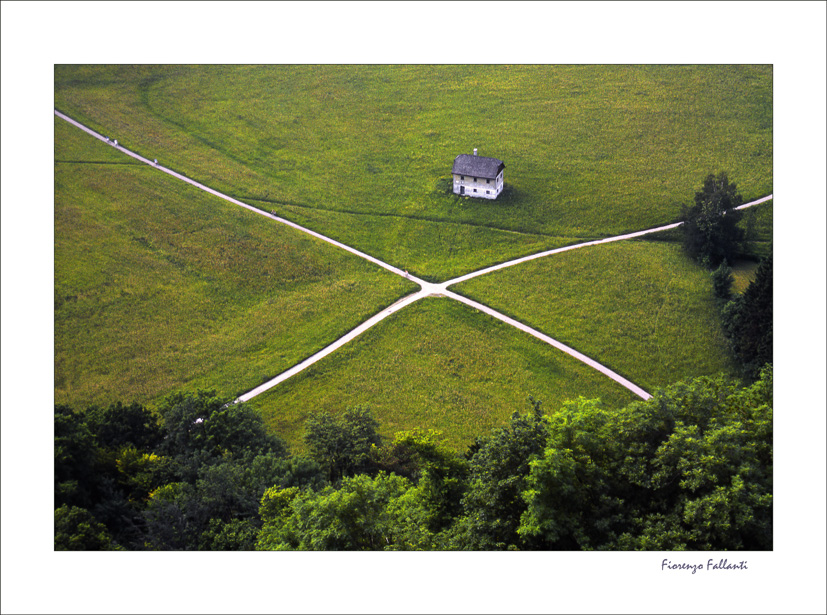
477, 166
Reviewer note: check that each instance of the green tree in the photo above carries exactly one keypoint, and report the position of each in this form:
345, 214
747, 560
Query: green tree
141, 473
439, 473
271, 469
342, 444
358, 515
499, 468
722, 281
76, 478
747, 322
168, 521
184, 417
690, 468
233, 535
77, 530
119, 425
710, 227
572, 496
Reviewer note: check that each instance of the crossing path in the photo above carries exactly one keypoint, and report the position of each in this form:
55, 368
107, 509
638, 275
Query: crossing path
427, 289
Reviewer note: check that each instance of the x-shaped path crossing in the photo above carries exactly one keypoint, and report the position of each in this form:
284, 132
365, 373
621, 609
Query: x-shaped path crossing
427, 289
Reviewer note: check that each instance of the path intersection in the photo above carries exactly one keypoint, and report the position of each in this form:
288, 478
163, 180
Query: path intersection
427, 289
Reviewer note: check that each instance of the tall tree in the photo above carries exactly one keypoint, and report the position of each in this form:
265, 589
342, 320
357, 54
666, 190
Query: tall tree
499, 468
342, 443
439, 473
747, 321
710, 227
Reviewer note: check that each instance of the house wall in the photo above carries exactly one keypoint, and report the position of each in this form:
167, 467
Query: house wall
493, 187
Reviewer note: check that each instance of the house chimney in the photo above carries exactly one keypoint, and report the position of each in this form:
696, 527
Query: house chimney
475, 151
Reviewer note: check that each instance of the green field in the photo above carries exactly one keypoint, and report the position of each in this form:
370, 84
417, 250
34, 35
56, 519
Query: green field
160, 287
589, 150
437, 364
641, 308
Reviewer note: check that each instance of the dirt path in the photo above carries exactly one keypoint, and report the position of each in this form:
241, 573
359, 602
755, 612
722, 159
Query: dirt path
427, 289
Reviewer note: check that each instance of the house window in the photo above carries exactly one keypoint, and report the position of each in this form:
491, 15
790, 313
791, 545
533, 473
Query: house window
475, 189
462, 177
487, 192
487, 181
475, 179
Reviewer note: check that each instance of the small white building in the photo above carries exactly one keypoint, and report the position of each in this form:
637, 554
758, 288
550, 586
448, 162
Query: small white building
478, 176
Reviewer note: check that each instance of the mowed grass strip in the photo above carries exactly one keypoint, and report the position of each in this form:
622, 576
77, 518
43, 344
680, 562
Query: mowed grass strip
641, 308
589, 150
160, 287
437, 364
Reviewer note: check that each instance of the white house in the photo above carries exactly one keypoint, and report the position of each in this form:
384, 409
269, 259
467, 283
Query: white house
478, 176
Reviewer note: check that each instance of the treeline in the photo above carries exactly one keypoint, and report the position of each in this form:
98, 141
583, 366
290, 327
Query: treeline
712, 236
690, 468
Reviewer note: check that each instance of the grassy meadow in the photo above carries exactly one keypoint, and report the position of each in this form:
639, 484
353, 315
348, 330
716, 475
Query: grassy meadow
160, 287
589, 150
437, 364
642, 308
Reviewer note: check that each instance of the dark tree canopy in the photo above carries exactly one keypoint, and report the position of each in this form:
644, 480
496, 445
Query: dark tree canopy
690, 468
77, 530
710, 229
747, 322
119, 425
342, 443
499, 468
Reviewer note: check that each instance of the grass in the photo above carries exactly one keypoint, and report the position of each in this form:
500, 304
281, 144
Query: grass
589, 150
641, 308
757, 225
743, 272
433, 250
437, 364
160, 287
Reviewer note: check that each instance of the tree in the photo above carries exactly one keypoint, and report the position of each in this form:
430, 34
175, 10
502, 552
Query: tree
499, 468
572, 493
119, 425
722, 281
77, 530
342, 444
233, 535
184, 417
690, 468
710, 227
169, 525
239, 429
747, 322
359, 515
75, 459
439, 473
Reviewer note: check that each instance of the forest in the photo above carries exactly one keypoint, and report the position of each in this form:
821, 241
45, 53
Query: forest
690, 468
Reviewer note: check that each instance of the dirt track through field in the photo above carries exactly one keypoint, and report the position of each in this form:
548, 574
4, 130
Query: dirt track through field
426, 289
